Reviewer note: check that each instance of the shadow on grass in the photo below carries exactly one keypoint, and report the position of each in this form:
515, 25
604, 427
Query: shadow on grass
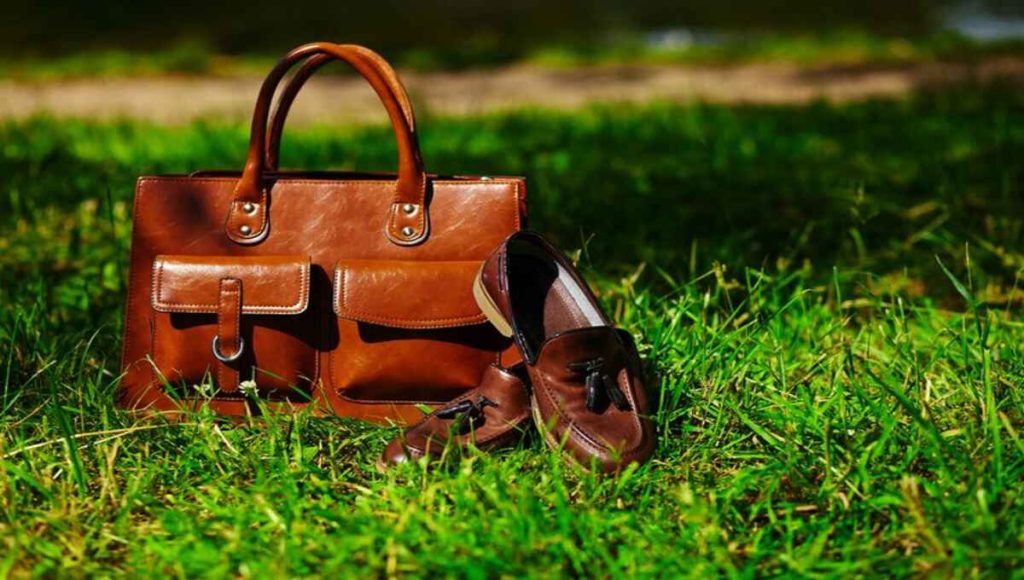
880, 186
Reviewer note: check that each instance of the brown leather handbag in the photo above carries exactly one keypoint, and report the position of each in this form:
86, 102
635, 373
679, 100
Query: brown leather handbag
350, 292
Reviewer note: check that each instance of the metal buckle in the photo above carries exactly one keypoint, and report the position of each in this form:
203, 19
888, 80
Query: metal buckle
233, 357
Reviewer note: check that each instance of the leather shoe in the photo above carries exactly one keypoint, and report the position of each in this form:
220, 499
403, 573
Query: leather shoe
588, 398
490, 416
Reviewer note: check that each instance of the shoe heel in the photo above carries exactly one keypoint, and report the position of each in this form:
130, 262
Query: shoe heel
487, 306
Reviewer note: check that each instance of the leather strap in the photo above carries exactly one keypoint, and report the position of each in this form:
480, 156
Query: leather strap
407, 221
229, 333
299, 79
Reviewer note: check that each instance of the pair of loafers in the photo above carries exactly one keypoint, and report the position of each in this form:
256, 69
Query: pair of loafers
586, 395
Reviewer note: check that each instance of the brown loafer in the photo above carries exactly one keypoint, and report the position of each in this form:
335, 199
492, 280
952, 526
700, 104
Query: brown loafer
588, 396
490, 416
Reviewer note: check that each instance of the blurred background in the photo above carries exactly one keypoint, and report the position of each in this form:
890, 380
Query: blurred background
149, 55
459, 33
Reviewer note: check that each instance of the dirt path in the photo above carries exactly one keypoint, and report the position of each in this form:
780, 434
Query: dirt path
347, 99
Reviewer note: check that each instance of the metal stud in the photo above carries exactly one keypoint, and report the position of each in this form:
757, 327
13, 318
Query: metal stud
485, 178
409, 208
407, 231
249, 207
246, 230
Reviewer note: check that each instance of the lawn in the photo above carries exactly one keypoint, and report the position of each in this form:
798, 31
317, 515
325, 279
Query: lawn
827, 296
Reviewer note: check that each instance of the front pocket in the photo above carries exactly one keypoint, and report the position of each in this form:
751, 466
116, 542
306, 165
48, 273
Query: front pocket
258, 310
409, 331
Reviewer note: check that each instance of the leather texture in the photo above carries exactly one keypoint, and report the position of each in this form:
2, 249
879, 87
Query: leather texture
359, 285
588, 394
274, 284
404, 248
256, 307
410, 189
229, 343
489, 417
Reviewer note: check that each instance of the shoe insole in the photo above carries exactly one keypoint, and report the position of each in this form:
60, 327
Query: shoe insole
546, 298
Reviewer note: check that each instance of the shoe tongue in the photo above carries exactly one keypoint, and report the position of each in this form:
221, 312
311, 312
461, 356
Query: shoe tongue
581, 344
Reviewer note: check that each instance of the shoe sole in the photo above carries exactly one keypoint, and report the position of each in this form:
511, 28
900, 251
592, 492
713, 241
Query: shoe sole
488, 306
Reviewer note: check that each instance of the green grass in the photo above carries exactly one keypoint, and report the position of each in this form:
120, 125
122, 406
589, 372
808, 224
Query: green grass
828, 296
835, 48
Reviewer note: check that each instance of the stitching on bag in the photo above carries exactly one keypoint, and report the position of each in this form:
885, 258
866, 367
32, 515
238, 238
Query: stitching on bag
264, 207
422, 202
422, 220
225, 372
131, 270
132, 291
170, 179
160, 304
331, 377
341, 275
233, 218
220, 292
238, 312
239, 304
157, 352
270, 309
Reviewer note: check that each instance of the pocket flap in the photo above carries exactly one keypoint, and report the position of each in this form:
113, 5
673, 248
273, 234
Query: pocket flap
407, 294
270, 284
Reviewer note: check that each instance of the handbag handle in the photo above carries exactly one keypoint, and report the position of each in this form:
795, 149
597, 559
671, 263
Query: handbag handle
407, 220
299, 79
